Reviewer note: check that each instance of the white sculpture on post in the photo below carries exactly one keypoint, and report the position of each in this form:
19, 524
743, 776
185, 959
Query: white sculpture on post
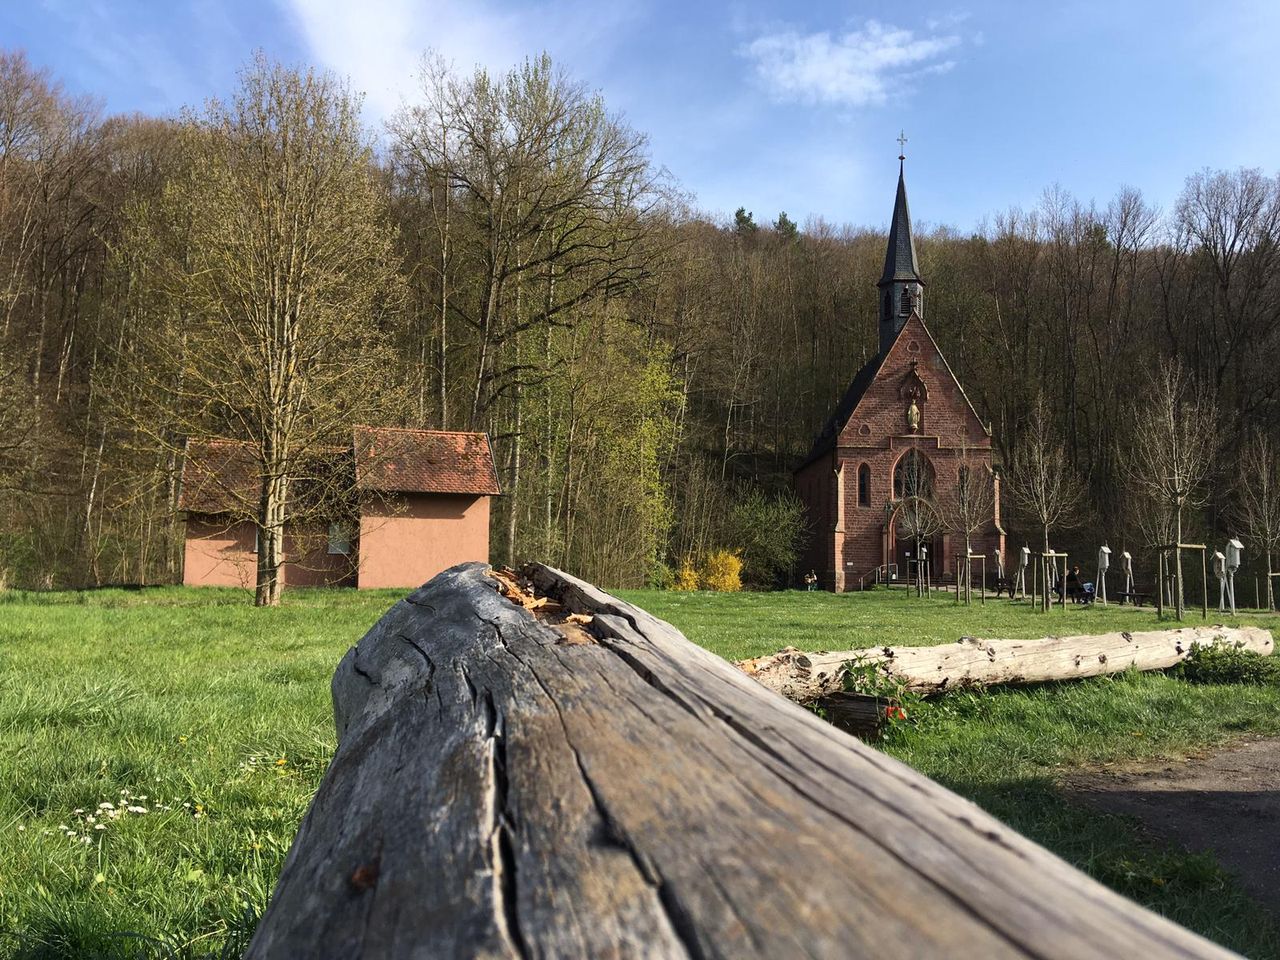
1104, 561
1220, 571
1020, 574
1232, 564
1126, 565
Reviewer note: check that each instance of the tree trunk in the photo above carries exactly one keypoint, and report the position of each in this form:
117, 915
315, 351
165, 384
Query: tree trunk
271, 539
1177, 560
504, 787
972, 661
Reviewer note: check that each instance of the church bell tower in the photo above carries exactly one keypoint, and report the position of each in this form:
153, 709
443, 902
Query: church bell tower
901, 288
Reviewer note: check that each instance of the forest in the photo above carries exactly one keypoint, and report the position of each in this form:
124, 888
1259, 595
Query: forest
505, 255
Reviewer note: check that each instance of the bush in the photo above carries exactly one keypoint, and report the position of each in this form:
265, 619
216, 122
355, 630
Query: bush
686, 577
1223, 663
722, 571
767, 529
662, 577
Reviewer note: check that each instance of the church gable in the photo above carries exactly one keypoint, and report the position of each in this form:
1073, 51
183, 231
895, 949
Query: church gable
913, 392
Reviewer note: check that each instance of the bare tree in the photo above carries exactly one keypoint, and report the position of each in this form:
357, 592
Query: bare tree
1043, 487
1258, 501
272, 250
971, 507
1174, 441
918, 515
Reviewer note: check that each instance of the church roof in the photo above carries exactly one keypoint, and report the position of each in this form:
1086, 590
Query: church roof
826, 439
900, 258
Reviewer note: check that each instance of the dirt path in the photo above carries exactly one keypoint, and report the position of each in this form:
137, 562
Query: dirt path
1227, 803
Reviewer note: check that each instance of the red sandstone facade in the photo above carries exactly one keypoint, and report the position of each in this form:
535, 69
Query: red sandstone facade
421, 505
905, 399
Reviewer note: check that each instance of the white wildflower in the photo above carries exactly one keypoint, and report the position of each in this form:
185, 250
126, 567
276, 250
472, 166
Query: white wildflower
136, 809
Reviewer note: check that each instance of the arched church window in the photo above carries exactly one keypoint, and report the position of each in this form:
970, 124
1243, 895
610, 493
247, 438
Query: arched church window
864, 486
913, 476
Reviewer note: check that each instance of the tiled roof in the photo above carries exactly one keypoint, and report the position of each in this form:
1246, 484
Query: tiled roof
219, 476
393, 460
225, 476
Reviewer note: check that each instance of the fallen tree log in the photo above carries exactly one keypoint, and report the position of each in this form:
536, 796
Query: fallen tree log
970, 661
503, 787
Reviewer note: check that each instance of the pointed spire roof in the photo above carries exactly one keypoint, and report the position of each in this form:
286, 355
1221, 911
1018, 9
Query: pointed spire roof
900, 259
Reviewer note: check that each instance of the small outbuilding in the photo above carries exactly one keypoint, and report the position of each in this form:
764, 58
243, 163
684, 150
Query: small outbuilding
393, 509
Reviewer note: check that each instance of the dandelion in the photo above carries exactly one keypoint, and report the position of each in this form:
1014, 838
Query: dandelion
182, 739
281, 762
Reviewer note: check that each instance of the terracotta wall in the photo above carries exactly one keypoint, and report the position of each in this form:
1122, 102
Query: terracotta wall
407, 539
218, 554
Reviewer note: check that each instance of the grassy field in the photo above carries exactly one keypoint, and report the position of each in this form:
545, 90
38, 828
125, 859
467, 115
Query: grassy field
214, 719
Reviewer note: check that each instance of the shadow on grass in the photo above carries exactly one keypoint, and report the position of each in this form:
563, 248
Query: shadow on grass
1189, 888
82, 932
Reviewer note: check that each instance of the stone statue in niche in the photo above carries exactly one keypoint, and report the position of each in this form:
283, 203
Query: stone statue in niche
915, 392
913, 417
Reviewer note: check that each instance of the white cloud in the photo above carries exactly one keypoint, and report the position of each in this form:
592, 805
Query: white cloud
855, 68
379, 43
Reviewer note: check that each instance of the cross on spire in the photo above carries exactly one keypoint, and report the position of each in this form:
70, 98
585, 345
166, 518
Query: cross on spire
902, 144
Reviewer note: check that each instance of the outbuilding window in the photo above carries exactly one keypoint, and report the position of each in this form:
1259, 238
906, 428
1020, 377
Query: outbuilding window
864, 486
339, 539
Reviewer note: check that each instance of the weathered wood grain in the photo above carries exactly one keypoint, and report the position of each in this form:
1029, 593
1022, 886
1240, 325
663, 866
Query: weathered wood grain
805, 677
497, 792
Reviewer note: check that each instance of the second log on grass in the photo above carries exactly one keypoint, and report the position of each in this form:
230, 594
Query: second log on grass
971, 661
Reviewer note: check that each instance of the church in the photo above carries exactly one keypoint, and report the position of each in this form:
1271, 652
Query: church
904, 425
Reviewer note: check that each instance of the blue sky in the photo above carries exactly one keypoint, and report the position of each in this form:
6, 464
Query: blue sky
774, 106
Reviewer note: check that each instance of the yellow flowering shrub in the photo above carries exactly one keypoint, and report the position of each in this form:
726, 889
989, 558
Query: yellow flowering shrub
722, 571
686, 576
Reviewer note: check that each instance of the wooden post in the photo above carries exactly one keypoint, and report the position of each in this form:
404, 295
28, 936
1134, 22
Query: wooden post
1204, 582
1159, 584
504, 786
982, 587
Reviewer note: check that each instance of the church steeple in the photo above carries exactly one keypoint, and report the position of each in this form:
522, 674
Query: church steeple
901, 287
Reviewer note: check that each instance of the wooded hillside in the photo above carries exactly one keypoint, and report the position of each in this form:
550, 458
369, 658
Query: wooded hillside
520, 264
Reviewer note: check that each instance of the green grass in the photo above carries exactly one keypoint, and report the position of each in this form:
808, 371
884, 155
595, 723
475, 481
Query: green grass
741, 625
190, 698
